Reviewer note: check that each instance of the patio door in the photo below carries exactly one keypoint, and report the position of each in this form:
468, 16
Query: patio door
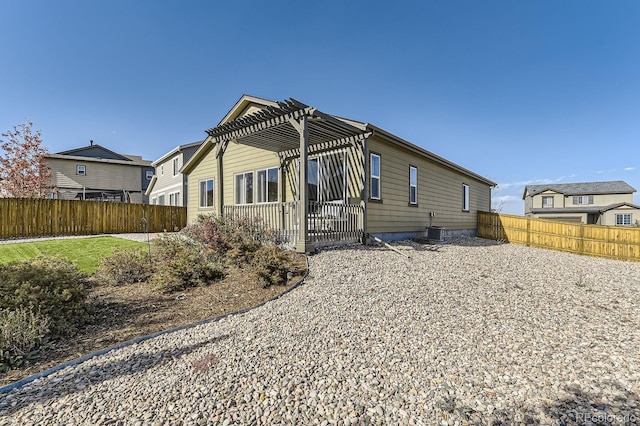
327, 176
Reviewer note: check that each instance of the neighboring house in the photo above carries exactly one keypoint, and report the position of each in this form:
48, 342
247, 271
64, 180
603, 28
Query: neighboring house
168, 186
97, 173
599, 203
355, 179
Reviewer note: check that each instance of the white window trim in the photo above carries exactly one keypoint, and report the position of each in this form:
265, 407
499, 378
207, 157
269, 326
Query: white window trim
175, 163
253, 191
413, 202
583, 199
81, 167
372, 176
466, 201
257, 190
622, 216
176, 199
202, 200
146, 174
548, 197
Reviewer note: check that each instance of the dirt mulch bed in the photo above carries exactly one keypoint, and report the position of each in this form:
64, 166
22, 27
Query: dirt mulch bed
121, 313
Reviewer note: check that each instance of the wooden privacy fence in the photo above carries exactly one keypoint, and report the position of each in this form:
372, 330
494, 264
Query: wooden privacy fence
615, 242
21, 217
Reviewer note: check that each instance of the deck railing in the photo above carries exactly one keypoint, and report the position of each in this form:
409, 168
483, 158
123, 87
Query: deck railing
326, 222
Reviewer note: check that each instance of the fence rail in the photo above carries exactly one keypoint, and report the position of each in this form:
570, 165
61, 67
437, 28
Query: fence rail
614, 242
22, 217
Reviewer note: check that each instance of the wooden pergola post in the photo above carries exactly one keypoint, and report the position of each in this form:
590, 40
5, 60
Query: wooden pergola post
219, 181
364, 198
303, 181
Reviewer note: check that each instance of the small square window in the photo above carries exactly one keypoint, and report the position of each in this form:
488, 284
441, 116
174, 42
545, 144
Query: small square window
81, 170
149, 174
547, 201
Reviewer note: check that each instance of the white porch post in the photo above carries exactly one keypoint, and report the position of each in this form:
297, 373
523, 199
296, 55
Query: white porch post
303, 181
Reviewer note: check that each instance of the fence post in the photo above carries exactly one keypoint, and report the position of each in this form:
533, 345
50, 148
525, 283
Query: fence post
528, 231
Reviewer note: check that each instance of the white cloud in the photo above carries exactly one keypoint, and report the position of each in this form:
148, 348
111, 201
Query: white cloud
505, 198
605, 171
626, 169
524, 183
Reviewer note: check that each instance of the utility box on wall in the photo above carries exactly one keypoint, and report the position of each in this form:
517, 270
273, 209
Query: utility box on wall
435, 233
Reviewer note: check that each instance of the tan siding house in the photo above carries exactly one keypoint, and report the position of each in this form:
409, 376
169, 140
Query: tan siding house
357, 180
169, 187
97, 173
599, 203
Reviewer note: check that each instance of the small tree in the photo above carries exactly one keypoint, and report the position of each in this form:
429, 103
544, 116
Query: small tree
23, 169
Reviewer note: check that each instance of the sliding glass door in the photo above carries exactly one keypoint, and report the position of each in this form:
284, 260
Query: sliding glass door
327, 175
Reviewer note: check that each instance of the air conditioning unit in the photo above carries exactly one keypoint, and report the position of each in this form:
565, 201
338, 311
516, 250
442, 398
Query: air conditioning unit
435, 233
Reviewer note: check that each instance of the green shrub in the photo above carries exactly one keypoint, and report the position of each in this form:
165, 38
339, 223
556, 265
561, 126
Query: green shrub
270, 265
125, 266
233, 240
22, 335
180, 262
51, 284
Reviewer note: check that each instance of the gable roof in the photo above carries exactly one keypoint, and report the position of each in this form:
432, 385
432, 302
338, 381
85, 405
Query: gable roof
176, 150
128, 162
582, 209
615, 206
581, 188
273, 116
243, 104
95, 151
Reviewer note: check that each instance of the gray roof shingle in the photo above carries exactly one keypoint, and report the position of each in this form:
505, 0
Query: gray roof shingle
582, 188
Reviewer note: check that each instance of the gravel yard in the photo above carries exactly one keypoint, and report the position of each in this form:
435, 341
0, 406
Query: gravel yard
470, 332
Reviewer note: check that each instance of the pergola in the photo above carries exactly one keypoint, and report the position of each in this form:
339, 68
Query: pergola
290, 129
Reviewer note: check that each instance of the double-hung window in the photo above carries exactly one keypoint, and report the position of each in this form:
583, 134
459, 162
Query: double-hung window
206, 193
413, 185
583, 199
465, 197
174, 199
374, 165
623, 219
267, 185
176, 165
244, 188
547, 201
81, 170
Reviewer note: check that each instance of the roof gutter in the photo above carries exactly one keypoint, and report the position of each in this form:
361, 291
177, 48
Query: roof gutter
425, 153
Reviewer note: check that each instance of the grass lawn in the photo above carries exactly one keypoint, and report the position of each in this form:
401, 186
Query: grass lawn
84, 252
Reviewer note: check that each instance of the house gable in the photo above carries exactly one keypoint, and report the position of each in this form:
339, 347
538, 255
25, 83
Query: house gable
246, 105
95, 151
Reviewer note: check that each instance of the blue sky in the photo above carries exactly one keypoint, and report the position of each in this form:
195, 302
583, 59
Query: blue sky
522, 92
